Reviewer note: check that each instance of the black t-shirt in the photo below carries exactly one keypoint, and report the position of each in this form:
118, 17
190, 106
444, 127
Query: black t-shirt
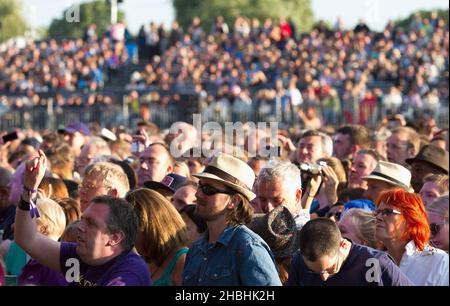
362, 267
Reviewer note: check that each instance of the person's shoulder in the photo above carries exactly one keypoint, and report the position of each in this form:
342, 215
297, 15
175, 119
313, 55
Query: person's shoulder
436, 254
246, 234
133, 258
368, 252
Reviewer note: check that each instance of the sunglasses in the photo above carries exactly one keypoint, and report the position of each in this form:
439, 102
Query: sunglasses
336, 215
435, 228
386, 212
210, 190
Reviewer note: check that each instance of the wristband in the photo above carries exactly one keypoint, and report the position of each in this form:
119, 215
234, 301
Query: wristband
31, 207
24, 205
30, 191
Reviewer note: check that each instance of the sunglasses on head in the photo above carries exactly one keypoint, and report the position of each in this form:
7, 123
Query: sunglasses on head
386, 212
210, 190
435, 228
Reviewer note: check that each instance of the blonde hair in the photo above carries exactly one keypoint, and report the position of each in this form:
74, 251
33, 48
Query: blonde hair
440, 207
182, 170
112, 176
52, 217
441, 180
365, 224
413, 137
163, 227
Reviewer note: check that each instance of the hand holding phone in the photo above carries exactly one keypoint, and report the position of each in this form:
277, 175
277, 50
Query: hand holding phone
9, 137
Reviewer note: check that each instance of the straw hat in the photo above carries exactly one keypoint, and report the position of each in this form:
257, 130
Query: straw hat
232, 172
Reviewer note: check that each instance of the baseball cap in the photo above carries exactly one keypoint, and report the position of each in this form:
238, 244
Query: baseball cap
77, 127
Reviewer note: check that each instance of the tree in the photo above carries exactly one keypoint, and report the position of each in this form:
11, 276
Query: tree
299, 11
12, 23
405, 23
97, 12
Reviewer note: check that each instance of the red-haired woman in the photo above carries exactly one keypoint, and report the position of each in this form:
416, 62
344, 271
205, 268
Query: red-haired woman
402, 226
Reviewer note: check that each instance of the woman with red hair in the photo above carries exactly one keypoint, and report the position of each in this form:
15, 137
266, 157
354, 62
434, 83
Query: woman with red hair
402, 227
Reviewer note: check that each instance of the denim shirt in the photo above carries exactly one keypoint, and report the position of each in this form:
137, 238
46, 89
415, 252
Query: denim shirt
238, 258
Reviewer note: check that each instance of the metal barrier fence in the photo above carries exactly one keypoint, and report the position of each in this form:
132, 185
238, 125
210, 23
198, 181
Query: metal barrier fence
48, 116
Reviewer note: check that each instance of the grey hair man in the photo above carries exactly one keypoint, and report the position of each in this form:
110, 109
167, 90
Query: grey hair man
279, 183
102, 178
95, 147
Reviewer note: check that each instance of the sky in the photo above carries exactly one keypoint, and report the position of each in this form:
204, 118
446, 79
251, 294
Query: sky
376, 13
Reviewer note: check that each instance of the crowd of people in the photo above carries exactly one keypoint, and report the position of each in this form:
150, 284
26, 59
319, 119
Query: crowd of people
133, 212
339, 75
338, 204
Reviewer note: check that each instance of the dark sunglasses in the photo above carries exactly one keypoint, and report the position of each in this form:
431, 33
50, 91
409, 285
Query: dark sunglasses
386, 212
336, 215
435, 228
210, 190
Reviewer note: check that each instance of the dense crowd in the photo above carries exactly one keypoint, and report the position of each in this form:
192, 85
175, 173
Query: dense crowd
221, 215
321, 204
343, 74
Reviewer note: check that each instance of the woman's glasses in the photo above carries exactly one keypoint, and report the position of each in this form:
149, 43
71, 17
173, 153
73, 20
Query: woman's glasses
386, 212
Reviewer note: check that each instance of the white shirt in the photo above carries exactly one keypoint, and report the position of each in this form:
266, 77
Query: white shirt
302, 218
427, 268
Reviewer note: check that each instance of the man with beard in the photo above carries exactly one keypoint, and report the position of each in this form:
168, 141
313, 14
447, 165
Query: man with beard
228, 254
429, 160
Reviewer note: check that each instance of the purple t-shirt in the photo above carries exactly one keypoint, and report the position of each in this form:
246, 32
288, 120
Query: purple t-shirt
364, 266
127, 269
33, 273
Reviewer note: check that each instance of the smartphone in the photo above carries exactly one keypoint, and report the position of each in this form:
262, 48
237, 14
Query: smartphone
10, 137
137, 147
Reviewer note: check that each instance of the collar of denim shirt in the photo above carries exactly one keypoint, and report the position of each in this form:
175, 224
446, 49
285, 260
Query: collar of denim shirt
224, 238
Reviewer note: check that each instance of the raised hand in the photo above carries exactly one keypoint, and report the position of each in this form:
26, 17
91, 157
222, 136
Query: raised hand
35, 171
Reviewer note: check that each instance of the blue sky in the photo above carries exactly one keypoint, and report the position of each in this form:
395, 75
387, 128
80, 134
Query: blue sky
375, 12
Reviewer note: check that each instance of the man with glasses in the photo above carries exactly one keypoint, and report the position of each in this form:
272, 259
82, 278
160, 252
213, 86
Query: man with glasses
329, 259
103, 178
404, 143
228, 254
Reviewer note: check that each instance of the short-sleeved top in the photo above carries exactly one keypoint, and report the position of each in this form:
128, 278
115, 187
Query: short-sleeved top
34, 273
15, 259
166, 277
364, 266
238, 258
127, 269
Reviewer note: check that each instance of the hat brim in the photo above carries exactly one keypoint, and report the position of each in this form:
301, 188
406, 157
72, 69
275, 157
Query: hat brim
409, 161
378, 178
244, 191
70, 131
259, 224
157, 185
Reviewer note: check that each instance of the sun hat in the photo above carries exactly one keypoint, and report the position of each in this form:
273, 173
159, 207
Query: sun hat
232, 172
278, 230
391, 173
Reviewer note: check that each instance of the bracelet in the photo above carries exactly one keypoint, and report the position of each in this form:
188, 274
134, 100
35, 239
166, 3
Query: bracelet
24, 205
29, 206
30, 191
